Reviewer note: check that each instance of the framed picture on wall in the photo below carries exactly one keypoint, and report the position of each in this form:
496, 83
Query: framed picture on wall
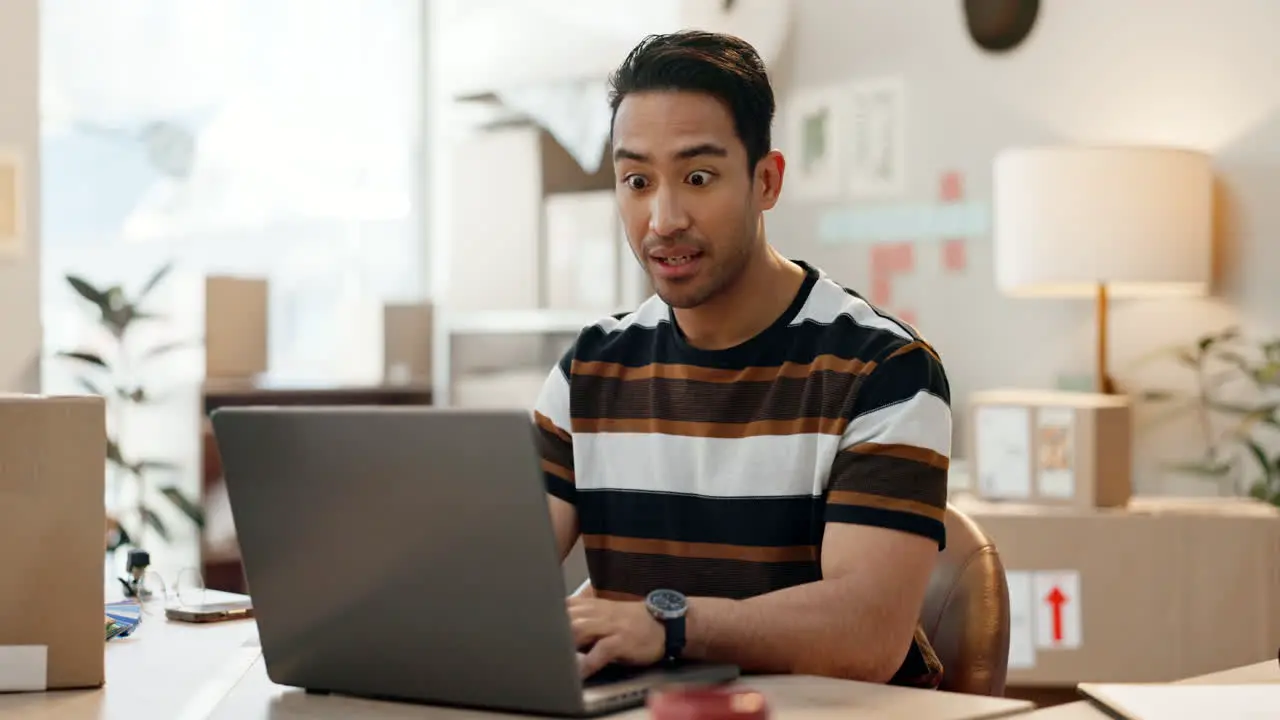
815, 117
12, 202
875, 149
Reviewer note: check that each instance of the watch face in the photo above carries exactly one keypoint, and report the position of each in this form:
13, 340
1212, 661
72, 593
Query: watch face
667, 602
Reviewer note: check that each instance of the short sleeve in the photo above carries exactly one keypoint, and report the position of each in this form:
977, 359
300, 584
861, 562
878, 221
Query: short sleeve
553, 431
891, 468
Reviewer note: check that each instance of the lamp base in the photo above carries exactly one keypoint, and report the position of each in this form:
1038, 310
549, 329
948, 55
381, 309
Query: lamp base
1102, 380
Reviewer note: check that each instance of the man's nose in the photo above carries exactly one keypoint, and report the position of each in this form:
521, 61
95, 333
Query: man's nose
667, 216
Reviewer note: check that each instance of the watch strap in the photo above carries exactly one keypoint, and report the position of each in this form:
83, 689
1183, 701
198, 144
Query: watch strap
675, 638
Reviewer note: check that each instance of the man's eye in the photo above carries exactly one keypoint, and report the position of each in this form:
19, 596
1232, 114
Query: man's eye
699, 178
636, 182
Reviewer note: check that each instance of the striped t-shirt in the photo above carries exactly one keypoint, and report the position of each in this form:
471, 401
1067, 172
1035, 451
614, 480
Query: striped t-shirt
713, 472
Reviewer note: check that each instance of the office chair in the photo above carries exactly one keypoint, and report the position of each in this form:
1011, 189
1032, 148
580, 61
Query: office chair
966, 610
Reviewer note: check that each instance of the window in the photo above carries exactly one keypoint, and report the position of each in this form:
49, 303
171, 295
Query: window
266, 137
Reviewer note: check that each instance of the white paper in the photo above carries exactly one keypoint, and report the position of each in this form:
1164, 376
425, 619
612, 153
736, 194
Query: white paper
1004, 451
1055, 452
815, 120
24, 668
874, 154
1160, 701
1022, 649
1057, 598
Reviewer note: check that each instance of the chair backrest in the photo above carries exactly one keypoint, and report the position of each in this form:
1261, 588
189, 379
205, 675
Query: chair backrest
966, 610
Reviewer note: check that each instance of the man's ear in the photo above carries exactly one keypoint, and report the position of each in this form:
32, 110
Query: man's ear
768, 177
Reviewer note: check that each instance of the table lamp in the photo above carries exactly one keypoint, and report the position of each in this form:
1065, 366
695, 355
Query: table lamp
1102, 222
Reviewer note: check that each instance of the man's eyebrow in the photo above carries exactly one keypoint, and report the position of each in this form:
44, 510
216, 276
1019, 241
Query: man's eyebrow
625, 154
702, 149
684, 154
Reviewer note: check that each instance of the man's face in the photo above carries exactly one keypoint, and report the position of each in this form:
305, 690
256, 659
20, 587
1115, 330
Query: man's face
688, 201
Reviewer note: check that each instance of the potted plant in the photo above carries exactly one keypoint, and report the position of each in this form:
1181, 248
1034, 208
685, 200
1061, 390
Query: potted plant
1236, 399
118, 373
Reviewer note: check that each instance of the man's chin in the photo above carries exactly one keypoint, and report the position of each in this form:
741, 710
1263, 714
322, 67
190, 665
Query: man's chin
681, 298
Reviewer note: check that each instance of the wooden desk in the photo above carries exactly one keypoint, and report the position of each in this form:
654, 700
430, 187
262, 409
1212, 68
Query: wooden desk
1267, 671
255, 697
180, 671
170, 670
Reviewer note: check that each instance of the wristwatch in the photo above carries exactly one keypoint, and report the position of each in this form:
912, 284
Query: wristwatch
669, 607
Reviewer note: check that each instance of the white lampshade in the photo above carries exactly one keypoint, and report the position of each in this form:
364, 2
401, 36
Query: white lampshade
1137, 219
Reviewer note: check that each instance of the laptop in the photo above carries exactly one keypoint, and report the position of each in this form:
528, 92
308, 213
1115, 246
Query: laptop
407, 553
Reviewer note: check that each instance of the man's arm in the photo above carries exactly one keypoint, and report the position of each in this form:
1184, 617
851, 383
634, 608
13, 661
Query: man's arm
555, 446
887, 496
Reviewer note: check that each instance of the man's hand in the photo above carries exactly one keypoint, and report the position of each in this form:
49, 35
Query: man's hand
616, 632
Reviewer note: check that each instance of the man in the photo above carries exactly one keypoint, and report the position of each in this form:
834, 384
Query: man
756, 443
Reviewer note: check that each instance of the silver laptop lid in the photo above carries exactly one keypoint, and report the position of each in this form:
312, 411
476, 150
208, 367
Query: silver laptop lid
401, 552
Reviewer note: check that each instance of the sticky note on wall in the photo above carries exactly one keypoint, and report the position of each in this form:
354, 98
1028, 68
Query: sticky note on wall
11, 202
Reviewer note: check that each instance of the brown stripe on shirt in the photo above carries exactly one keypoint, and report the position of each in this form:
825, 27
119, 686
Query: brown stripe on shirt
903, 452
721, 551
559, 471
861, 499
555, 450
544, 423
889, 477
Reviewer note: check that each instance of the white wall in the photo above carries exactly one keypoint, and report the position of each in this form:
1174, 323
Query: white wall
19, 126
1092, 71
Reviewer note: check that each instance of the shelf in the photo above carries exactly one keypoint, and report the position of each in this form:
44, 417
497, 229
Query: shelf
494, 322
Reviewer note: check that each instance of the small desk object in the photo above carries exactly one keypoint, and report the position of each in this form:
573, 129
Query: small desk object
1266, 672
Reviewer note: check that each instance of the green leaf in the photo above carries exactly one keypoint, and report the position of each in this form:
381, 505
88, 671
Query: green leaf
166, 348
1237, 409
84, 356
188, 506
1209, 468
151, 518
88, 292
1261, 456
148, 465
1160, 395
1268, 374
114, 456
1260, 490
154, 280
89, 385
118, 320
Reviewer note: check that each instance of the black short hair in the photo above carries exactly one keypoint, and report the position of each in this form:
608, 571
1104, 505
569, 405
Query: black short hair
720, 65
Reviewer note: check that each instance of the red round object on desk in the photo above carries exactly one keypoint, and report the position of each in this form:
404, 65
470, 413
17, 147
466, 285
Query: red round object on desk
707, 703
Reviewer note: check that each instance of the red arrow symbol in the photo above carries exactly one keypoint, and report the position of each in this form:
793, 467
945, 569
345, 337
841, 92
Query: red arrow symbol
1056, 599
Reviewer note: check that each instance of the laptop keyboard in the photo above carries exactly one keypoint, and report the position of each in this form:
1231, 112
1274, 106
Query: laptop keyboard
615, 673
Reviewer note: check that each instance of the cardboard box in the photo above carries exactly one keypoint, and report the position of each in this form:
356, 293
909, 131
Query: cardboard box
1151, 593
235, 327
582, 236
1055, 448
52, 528
406, 343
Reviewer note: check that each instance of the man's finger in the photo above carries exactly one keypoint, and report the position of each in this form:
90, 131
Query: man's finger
582, 609
587, 630
602, 653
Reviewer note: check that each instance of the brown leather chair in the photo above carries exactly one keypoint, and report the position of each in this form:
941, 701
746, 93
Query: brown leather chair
966, 610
